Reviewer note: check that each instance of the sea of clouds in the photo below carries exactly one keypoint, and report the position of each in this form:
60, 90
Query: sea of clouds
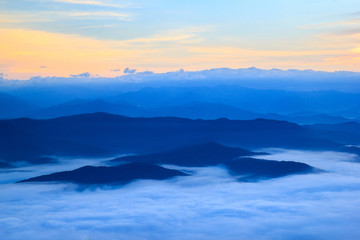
208, 205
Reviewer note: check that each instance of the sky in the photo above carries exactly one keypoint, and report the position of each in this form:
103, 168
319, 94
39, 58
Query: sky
104, 37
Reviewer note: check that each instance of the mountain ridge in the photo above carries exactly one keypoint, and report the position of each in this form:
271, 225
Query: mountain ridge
102, 134
118, 175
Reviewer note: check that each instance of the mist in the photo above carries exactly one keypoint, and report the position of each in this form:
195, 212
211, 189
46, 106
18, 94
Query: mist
210, 204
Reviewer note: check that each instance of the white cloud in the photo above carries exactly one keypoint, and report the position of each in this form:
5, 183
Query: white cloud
208, 205
93, 2
101, 14
52, 16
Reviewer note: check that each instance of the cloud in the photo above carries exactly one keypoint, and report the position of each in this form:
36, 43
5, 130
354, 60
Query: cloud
43, 66
20, 17
100, 14
128, 70
82, 75
209, 205
92, 2
343, 27
292, 79
161, 38
56, 16
146, 73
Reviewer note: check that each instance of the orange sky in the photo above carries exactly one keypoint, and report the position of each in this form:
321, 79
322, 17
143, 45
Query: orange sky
27, 51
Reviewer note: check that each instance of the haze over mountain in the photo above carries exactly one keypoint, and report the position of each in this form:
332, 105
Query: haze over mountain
193, 110
79, 106
190, 101
250, 99
12, 107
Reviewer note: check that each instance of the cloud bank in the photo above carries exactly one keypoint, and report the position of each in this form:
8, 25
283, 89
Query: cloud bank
208, 205
82, 75
291, 79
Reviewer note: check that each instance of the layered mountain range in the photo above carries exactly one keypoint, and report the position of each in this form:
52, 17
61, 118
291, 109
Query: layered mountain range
102, 134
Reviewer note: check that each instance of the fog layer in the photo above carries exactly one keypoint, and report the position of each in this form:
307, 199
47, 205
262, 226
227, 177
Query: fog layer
208, 205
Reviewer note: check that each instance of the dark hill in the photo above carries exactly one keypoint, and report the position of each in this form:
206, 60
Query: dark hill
347, 133
251, 169
352, 149
4, 165
349, 127
110, 175
194, 156
211, 154
102, 134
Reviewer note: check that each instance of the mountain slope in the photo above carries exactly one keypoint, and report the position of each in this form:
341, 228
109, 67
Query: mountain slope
348, 133
213, 154
349, 127
103, 134
194, 156
251, 169
109, 175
